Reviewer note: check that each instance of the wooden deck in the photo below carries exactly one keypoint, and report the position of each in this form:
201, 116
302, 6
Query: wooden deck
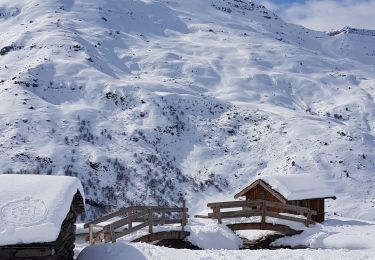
131, 219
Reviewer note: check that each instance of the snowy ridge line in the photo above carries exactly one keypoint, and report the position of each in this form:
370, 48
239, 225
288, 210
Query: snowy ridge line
352, 31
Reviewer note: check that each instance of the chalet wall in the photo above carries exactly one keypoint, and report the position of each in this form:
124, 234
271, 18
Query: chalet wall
314, 204
258, 192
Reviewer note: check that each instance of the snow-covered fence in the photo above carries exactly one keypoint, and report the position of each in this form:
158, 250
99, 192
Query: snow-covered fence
260, 208
120, 223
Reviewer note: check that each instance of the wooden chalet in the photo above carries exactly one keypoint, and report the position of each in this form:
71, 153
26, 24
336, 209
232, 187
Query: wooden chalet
38, 215
303, 190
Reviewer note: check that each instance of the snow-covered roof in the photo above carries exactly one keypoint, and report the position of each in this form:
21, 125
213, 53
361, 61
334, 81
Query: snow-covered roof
33, 207
294, 186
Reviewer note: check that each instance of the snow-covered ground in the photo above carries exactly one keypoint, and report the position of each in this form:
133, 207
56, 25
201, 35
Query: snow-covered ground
139, 251
156, 101
336, 238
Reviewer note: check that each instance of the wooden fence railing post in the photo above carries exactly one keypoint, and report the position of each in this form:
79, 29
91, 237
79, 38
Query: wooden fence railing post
150, 224
91, 235
184, 216
112, 234
263, 215
130, 217
216, 211
308, 219
162, 221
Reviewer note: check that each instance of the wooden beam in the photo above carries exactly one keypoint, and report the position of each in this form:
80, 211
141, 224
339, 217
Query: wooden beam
267, 226
235, 214
233, 204
125, 221
108, 217
129, 231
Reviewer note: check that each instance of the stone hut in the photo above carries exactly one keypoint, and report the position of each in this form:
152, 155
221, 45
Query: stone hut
38, 215
303, 190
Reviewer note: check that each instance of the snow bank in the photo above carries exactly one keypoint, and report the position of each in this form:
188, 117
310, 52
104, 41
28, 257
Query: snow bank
33, 207
298, 186
213, 236
147, 251
115, 251
335, 234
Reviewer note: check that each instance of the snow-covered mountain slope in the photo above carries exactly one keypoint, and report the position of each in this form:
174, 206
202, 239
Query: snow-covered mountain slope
156, 101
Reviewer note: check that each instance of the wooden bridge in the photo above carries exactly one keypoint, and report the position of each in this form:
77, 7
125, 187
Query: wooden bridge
262, 209
131, 219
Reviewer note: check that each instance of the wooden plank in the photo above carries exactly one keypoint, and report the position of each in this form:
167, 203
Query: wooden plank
276, 215
237, 204
201, 216
289, 207
235, 214
107, 217
170, 209
125, 221
233, 204
123, 211
160, 208
129, 231
159, 221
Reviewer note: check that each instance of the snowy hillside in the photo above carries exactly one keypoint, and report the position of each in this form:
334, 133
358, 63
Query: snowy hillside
156, 101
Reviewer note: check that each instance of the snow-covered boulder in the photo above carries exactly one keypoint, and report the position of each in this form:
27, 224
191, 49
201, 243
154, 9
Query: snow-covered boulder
115, 251
214, 236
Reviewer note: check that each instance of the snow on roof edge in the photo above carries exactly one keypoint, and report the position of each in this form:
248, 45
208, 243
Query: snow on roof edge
295, 186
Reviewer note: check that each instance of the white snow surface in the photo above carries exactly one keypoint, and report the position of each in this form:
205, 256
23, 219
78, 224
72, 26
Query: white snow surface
150, 102
33, 207
298, 186
140, 251
213, 236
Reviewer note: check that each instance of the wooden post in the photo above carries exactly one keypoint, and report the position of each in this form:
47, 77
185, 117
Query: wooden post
263, 215
162, 222
130, 217
184, 218
308, 219
150, 220
91, 235
218, 215
112, 234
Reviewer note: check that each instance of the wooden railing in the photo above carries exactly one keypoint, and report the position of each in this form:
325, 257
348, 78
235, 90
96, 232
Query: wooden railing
120, 223
259, 208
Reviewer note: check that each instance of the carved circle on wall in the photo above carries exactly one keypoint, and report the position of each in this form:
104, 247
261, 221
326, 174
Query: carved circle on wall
25, 212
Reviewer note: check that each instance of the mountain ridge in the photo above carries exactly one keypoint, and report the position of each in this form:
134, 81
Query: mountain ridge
157, 101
